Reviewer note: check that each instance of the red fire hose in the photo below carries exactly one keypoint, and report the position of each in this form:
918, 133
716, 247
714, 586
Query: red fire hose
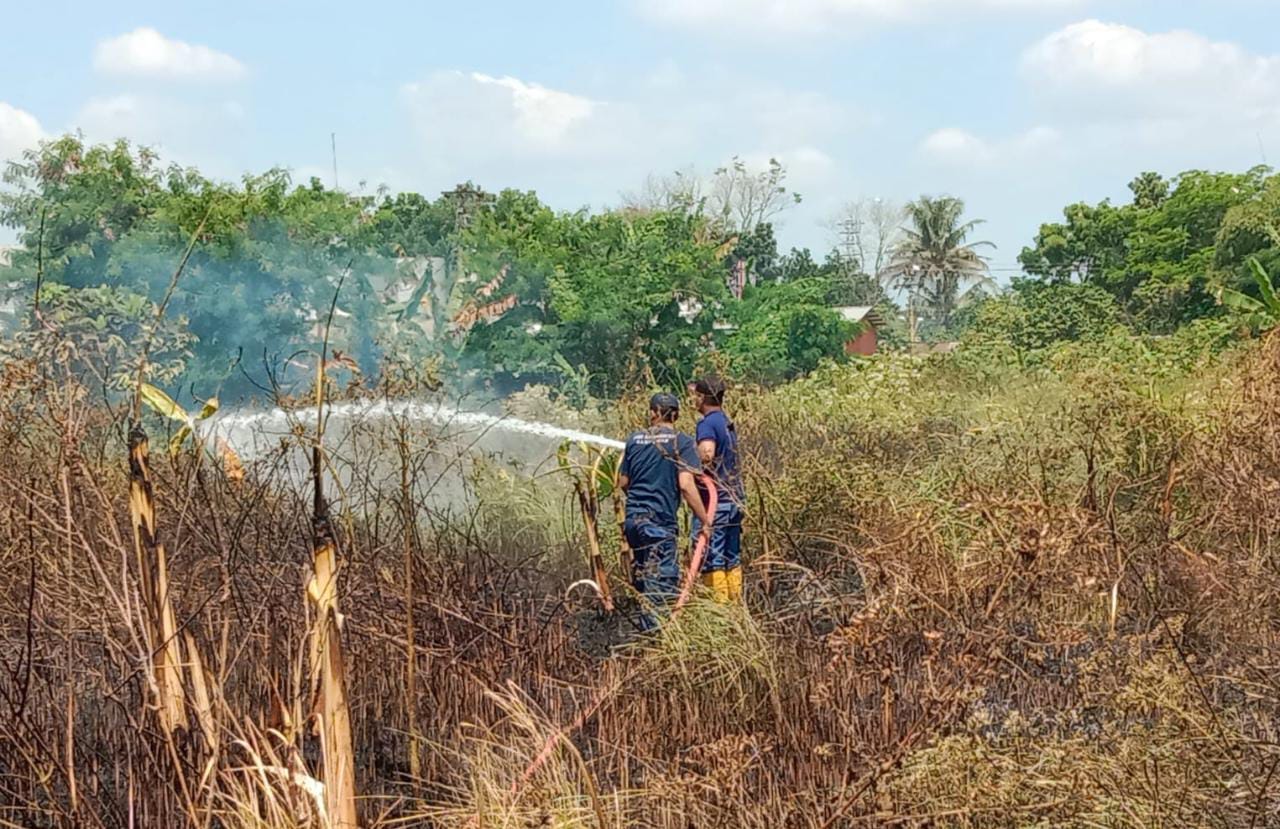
699, 547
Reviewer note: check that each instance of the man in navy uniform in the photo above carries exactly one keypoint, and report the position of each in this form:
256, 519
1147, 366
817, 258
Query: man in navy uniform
657, 469
717, 441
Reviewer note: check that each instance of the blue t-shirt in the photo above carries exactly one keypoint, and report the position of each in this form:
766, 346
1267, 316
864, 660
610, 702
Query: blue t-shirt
717, 427
651, 461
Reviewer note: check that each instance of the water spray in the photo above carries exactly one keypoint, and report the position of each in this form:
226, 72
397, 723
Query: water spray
278, 420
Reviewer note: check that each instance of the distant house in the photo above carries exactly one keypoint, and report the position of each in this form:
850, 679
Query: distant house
868, 338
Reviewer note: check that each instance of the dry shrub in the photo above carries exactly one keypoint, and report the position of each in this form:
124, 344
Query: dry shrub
1046, 599
712, 649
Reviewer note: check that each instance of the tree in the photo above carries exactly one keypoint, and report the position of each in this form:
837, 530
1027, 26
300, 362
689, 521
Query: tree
742, 199
500, 284
620, 294
1149, 190
682, 191
1034, 315
99, 332
1249, 227
784, 329
935, 263
736, 199
1090, 243
1162, 255
758, 251
267, 262
867, 231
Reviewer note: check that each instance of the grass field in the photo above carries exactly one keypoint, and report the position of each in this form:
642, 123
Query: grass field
977, 595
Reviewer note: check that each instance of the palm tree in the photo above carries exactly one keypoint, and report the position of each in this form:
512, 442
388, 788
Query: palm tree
934, 262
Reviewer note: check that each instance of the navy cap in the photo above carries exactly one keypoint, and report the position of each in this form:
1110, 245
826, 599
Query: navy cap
664, 402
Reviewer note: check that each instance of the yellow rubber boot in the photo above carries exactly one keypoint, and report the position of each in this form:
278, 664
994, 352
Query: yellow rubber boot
717, 582
733, 584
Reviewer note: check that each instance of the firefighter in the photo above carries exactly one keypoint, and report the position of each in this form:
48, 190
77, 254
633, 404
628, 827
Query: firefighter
657, 470
717, 442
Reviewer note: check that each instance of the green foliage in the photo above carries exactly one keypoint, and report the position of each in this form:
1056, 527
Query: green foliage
602, 291
98, 334
785, 329
1035, 315
267, 262
500, 285
1261, 312
1162, 256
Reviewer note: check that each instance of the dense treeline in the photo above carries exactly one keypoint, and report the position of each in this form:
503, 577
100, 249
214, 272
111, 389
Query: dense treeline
500, 284
505, 290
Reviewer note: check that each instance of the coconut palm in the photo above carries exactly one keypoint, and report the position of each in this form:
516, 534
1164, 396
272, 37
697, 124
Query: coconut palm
934, 262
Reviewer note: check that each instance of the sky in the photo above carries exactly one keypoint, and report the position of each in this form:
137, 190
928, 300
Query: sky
1019, 107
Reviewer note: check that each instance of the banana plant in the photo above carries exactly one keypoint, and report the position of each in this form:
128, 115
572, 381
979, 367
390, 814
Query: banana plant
594, 478
1262, 312
163, 404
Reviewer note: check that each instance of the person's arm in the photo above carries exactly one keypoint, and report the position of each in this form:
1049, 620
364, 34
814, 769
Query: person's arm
705, 437
692, 497
624, 467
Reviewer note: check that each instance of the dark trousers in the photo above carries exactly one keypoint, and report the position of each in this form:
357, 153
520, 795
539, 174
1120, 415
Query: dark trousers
655, 569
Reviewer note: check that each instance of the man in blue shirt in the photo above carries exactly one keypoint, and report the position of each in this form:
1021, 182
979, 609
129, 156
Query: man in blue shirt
658, 467
717, 441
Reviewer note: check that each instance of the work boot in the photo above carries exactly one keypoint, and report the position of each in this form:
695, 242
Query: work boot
717, 583
733, 584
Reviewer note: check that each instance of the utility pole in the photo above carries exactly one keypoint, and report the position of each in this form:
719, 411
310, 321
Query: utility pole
913, 322
333, 146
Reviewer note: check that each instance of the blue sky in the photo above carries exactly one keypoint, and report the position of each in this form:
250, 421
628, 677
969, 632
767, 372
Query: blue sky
1018, 106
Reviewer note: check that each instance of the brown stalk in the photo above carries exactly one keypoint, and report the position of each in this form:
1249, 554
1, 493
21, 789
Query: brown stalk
148, 548
589, 504
411, 657
327, 669
166, 658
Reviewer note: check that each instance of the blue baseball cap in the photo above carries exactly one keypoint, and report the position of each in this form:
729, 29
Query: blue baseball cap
665, 403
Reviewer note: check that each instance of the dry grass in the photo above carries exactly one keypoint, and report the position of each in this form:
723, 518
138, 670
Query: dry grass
1041, 602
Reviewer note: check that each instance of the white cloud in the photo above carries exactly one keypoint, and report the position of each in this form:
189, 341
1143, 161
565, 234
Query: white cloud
19, 130
815, 16
953, 144
961, 148
805, 165
112, 116
473, 125
1113, 91
542, 115
203, 130
578, 146
1108, 71
147, 53
475, 114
